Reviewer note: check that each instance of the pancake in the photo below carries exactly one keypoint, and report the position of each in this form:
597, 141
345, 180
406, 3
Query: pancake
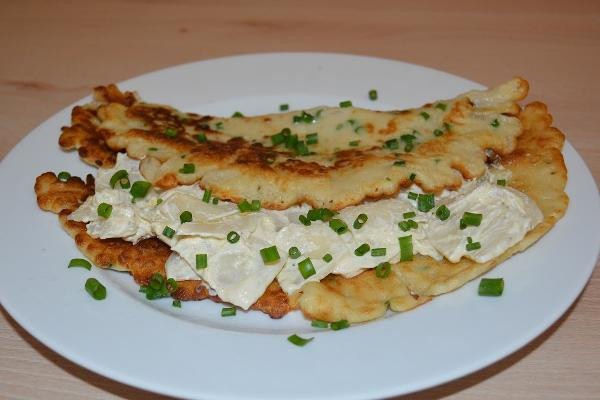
435, 146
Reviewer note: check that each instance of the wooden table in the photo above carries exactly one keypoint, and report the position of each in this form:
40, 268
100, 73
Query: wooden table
54, 52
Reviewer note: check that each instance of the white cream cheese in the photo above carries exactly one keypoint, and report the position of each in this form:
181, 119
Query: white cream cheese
236, 271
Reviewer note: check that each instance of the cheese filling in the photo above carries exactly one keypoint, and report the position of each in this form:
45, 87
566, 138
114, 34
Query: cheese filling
236, 271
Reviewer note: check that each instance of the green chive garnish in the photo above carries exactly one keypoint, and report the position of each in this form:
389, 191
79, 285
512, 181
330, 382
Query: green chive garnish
471, 219
228, 312
327, 257
360, 221
152, 148
122, 177
312, 138
233, 237
438, 132
269, 254
201, 261
80, 262
284, 107
378, 252
412, 195
412, 176
185, 216
168, 232
206, 196
345, 104
491, 287
473, 246
244, 206
298, 341
63, 176
495, 123
391, 144
399, 163
383, 270
255, 205
362, 250
372, 94
441, 106
294, 252
319, 324
176, 303
219, 125
159, 201
201, 138
501, 182
301, 148
305, 221
104, 210
95, 289
406, 248
410, 214
140, 189
188, 168
425, 202
408, 147
237, 114
341, 324
170, 132
338, 226
306, 268
215, 200
443, 213
424, 115
280, 137
354, 143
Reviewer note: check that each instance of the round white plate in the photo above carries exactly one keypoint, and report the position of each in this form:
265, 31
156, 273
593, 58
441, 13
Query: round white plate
195, 353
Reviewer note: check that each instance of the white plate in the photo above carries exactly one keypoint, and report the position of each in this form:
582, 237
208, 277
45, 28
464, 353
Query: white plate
195, 353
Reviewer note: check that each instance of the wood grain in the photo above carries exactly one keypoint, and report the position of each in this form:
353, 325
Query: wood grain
54, 52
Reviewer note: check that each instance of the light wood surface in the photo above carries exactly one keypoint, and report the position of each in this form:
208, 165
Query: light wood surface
53, 53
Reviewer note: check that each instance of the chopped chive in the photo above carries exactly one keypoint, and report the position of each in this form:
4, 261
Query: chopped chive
469, 239
410, 214
270, 254
473, 246
306, 268
95, 289
372, 94
294, 252
206, 195
354, 143
443, 213
215, 200
404, 226
491, 287
291, 141
170, 132
399, 163
159, 201
63, 176
408, 138
233, 237
228, 312
104, 210
360, 221
412, 176
80, 262
327, 257
425, 202
501, 182
284, 107
341, 324
152, 148
406, 248
338, 226
345, 104
168, 232
237, 114
447, 126
391, 144
412, 224
471, 219
188, 168
412, 195
441, 106
201, 261
121, 177
383, 270
438, 132
305, 221
378, 252
424, 115
244, 206
362, 250
176, 303
219, 125
298, 341
319, 324
185, 216
495, 123
408, 147
201, 138
140, 189
278, 138
312, 138
255, 205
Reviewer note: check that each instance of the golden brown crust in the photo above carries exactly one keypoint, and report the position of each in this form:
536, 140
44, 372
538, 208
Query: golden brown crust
54, 195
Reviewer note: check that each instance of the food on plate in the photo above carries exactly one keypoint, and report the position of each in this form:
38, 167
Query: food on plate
287, 211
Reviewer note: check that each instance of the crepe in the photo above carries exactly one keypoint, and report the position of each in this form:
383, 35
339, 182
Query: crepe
537, 168
358, 153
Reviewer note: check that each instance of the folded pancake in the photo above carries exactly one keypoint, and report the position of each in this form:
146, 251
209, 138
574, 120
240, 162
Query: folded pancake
324, 156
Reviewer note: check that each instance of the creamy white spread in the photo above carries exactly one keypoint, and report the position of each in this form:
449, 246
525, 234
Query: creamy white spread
236, 271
